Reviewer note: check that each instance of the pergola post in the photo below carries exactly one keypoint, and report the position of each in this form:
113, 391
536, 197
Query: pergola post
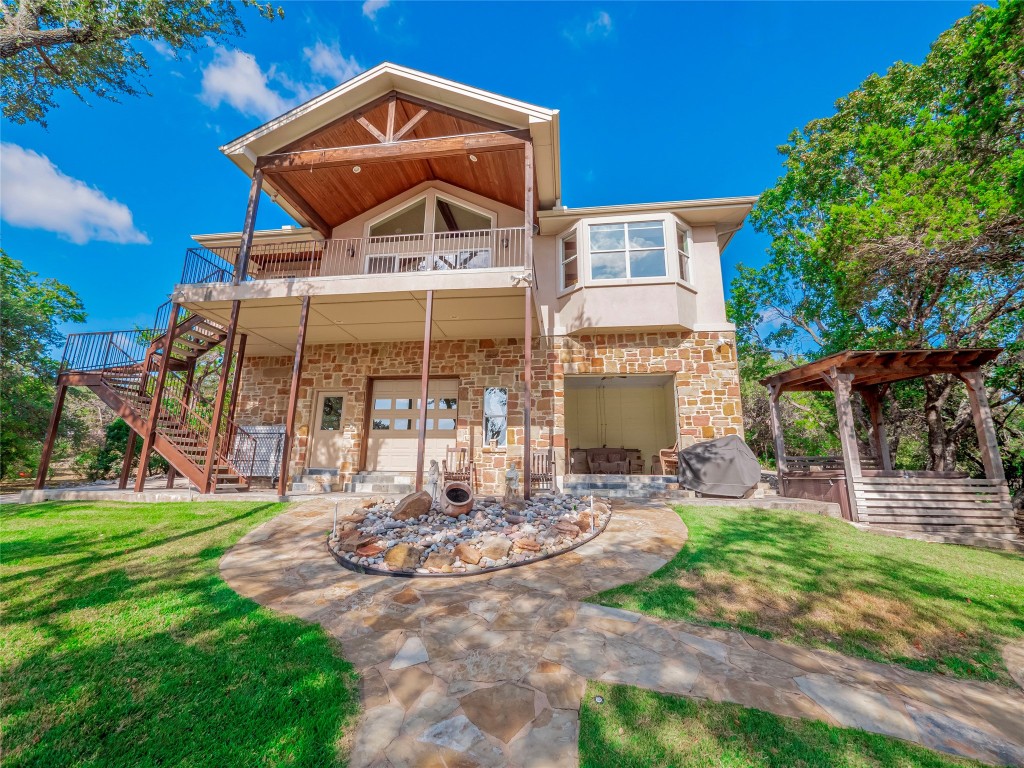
987, 442
842, 386
775, 418
126, 466
528, 330
293, 398
209, 479
51, 436
154, 404
879, 440
242, 262
421, 437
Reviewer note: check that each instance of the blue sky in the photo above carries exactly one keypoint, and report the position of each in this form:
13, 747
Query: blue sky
106, 198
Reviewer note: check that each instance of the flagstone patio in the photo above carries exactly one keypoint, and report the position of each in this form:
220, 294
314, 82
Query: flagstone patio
489, 670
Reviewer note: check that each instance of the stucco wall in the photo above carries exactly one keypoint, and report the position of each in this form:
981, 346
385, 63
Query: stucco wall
703, 364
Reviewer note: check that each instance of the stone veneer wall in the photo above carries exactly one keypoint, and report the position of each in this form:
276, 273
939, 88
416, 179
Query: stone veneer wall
704, 364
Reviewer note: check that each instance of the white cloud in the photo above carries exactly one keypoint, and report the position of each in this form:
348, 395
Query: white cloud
236, 78
163, 48
372, 7
35, 194
329, 61
600, 25
597, 28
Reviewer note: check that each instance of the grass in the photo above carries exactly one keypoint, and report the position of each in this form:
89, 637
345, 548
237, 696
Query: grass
643, 729
122, 646
815, 581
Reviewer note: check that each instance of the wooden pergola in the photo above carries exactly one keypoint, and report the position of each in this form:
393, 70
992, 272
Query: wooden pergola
868, 489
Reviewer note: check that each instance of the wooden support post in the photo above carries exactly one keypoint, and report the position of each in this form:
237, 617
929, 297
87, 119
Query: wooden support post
51, 436
171, 474
240, 357
528, 330
293, 399
775, 418
154, 404
242, 262
879, 440
209, 478
126, 467
421, 437
988, 443
842, 384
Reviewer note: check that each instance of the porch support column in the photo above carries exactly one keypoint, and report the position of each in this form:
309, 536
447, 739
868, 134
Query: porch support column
988, 444
209, 479
528, 330
293, 398
879, 440
51, 436
240, 357
775, 418
126, 466
421, 437
154, 404
242, 262
171, 474
842, 385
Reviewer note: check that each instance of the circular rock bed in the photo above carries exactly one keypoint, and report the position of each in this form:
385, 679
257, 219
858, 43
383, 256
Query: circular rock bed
414, 537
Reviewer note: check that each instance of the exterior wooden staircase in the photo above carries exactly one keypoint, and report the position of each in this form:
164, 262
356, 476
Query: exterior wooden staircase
122, 368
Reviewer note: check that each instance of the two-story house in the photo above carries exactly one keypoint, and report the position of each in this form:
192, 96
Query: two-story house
436, 297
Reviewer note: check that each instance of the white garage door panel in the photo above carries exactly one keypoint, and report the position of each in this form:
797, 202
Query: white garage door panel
394, 422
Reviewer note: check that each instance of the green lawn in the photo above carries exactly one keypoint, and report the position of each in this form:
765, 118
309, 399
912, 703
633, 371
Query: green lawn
634, 728
816, 581
122, 646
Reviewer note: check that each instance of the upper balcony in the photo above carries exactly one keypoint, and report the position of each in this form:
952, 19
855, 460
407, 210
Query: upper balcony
485, 249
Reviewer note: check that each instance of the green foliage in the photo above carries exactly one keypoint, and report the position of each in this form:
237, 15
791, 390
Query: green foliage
899, 223
48, 46
123, 646
635, 728
817, 582
30, 313
107, 460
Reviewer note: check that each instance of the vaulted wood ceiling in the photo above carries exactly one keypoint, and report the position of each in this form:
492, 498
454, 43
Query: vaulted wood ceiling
331, 195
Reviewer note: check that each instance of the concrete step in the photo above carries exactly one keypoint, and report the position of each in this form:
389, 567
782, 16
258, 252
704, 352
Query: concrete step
390, 488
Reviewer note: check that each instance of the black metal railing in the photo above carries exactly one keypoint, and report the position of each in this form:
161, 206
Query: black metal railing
205, 266
105, 349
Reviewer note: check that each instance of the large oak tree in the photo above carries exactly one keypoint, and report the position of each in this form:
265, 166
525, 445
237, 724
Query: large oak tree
899, 223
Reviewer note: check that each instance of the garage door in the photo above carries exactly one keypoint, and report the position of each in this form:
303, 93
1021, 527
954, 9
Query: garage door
394, 423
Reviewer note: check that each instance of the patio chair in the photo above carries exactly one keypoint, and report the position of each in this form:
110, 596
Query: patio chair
456, 466
668, 458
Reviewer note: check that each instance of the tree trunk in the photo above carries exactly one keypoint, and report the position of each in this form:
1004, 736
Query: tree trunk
936, 392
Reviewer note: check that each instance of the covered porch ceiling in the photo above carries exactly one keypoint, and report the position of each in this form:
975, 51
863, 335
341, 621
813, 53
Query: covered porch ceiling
271, 324
390, 129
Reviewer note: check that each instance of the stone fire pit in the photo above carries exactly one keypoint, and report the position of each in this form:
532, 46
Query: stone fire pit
414, 537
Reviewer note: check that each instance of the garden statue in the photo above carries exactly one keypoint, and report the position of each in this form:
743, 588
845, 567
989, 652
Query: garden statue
434, 480
512, 482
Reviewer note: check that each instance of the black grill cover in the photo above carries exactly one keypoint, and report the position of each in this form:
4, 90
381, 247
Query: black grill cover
722, 467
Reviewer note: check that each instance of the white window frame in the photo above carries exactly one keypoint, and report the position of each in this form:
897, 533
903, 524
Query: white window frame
431, 196
669, 223
684, 246
562, 287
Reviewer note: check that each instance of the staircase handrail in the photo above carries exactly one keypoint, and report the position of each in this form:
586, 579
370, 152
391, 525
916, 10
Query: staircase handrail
90, 351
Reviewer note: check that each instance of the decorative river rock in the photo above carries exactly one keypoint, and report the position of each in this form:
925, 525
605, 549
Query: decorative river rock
385, 536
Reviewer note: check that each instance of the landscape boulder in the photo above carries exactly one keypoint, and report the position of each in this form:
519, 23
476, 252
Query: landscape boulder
412, 506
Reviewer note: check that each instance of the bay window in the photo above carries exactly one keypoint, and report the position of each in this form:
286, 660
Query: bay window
634, 249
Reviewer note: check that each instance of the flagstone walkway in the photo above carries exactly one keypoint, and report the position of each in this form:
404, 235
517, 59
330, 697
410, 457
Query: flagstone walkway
490, 670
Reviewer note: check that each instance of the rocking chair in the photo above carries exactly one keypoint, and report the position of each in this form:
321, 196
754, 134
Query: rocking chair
458, 467
542, 471
668, 458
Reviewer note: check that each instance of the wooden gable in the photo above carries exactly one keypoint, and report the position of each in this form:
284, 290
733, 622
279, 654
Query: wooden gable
330, 194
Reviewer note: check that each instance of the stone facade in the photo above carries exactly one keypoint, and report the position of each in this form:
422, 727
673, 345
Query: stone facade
704, 365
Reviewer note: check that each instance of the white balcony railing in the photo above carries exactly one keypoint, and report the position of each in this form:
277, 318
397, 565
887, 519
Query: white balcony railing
393, 254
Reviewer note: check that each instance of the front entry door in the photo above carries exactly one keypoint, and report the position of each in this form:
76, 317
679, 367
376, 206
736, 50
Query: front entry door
328, 431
